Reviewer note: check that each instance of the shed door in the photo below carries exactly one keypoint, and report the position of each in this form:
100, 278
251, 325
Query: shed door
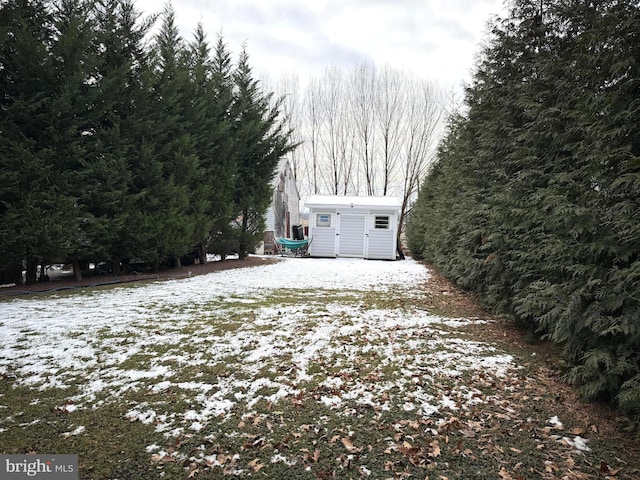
351, 235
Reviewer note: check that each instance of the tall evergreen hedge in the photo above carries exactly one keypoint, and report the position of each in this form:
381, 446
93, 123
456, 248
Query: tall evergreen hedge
535, 198
117, 145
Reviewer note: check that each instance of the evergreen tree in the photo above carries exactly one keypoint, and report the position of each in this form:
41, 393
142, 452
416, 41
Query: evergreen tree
116, 100
544, 223
25, 32
212, 84
71, 130
604, 333
34, 222
113, 151
166, 216
261, 139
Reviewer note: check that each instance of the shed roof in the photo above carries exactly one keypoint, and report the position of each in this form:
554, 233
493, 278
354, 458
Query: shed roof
352, 201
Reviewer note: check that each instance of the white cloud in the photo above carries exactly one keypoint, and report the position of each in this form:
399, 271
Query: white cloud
435, 39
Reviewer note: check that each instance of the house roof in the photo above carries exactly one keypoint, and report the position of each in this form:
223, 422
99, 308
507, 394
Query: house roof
285, 168
352, 201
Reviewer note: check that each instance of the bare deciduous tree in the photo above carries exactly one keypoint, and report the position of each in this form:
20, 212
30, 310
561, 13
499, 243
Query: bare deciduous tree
311, 128
424, 111
335, 133
390, 121
369, 132
363, 100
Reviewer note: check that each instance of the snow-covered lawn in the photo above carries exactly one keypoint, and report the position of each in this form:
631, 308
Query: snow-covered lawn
265, 326
197, 357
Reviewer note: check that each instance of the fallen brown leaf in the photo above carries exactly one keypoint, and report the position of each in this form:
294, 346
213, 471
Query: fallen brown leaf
436, 449
348, 444
459, 446
255, 465
193, 473
504, 474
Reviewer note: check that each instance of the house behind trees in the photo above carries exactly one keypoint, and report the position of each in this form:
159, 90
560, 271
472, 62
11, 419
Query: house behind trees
283, 215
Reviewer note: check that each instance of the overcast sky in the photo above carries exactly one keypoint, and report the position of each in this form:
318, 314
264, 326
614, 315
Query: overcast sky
435, 39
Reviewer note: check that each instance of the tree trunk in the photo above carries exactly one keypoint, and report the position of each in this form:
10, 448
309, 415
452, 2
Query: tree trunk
202, 254
77, 271
16, 273
243, 236
32, 271
43, 276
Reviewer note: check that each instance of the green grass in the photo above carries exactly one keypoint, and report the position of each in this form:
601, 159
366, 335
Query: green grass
496, 426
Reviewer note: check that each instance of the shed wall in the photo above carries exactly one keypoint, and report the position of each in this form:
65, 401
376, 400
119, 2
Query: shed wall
382, 245
323, 243
352, 233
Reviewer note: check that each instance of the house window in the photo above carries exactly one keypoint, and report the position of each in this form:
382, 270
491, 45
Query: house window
381, 222
323, 220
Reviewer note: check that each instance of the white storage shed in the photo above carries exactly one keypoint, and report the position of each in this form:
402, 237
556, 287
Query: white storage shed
361, 227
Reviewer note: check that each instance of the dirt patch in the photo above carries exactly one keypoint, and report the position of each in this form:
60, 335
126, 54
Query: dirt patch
444, 298
546, 382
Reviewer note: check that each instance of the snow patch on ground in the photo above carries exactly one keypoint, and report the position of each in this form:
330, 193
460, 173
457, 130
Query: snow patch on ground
158, 337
